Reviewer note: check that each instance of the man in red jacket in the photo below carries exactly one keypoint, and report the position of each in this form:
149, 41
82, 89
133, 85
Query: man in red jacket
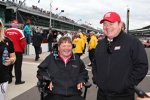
19, 41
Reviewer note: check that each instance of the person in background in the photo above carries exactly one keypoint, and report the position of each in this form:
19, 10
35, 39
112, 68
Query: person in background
67, 73
55, 36
85, 41
50, 39
17, 37
69, 34
79, 45
88, 38
83, 37
120, 61
36, 42
80, 33
91, 46
5, 63
123, 28
59, 35
27, 31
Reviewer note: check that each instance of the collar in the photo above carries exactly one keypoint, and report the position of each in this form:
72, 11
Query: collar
110, 40
64, 59
59, 57
115, 38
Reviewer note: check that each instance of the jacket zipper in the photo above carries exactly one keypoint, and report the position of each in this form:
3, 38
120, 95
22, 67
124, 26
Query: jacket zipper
65, 67
66, 84
108, 72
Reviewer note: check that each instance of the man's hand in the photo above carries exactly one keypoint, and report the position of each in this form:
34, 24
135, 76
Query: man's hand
50, 86
80, 85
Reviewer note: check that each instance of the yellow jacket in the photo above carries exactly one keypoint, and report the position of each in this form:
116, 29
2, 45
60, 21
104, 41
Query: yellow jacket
92, 43
79, 45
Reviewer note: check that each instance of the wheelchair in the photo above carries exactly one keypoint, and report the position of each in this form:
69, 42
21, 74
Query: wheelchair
43, 84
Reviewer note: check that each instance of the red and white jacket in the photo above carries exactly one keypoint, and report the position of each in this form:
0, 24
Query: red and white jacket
17, 37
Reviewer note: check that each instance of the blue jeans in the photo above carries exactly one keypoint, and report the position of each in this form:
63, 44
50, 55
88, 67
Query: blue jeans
28, 38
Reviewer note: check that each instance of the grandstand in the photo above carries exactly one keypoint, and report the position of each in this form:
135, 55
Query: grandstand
142, 32
39, 17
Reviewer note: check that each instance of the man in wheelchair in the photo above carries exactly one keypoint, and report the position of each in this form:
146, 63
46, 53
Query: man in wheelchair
62, 76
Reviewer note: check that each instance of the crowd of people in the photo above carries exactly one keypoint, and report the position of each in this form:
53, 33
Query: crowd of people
118, 60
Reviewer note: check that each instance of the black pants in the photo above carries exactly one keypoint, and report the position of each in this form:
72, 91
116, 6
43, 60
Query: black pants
37, 51
17, 67
102, 96
91, 54
61, 97
50, 46
10, 68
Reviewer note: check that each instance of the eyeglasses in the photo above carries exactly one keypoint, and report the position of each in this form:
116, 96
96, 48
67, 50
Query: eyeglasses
109, 48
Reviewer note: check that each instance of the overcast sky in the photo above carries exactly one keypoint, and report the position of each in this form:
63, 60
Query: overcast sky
92, 11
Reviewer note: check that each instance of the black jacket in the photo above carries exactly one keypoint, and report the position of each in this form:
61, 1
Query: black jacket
64, 77
117, 72
37, 39
50, 37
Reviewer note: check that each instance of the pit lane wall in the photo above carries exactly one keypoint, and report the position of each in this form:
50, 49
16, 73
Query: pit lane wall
29, 50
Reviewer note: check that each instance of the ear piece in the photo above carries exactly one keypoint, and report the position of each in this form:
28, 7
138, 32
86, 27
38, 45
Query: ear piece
109, 47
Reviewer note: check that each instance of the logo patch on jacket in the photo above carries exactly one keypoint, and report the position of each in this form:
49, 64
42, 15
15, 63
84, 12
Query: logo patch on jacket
117, 48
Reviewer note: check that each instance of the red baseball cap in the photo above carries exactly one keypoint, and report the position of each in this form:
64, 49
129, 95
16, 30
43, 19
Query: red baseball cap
111, 17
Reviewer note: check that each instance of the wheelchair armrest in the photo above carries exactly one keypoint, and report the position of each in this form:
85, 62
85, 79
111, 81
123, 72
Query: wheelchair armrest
87, 85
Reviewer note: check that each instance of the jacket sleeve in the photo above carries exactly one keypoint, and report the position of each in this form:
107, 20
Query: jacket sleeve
42, 72
23, 43
83, 74
94, 70
139, 63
